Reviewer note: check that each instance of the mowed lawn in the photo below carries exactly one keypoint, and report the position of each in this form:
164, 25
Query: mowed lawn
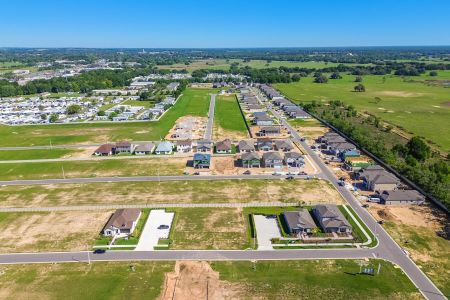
315, 279
105, 280
420, 109
35, 154
228, 118
193, 102
209, 228
92, 168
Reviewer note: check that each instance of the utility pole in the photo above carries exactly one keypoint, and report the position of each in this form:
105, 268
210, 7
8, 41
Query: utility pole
379, 268
64, 175
89, 257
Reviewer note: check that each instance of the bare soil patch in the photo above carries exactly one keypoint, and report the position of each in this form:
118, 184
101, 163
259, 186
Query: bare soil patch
220, 134
188, 127
196, 280
403, 94
56, 231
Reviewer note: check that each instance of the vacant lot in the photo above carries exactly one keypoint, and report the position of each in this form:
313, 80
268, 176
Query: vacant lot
193, 102
228, 119
209, 228
93, 168
37, 154
56, 231
419, 108
220, 191
106, 280
414, 228
316, 279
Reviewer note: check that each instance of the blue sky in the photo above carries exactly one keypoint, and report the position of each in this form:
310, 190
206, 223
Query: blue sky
226, 23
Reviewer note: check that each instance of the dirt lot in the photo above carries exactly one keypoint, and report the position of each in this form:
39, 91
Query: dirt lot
408, 215
196, 280
209, 228
83, 153
220, 134
56, 231
188, 127
311, 133
313, 191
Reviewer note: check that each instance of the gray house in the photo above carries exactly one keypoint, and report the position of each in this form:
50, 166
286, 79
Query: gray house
204, 146
269, 130
144, 149
164, 148
272, 159
284, 145
245, 146
123, 147
298, 222
401, 197
262, 120
250, 160
331, 219
294, 159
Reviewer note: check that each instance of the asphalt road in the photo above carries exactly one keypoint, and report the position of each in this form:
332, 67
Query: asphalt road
387, 247
210, 125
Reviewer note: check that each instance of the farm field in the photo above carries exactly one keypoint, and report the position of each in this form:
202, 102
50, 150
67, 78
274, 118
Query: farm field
36, 154
220, 191
418, 108
93, 168
105, 280
209, 228
228, 120
223, 64
52, 231
315, 279
193, 102
244, 280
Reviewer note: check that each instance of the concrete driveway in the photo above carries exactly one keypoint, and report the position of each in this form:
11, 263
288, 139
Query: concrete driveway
151, 234
266, 229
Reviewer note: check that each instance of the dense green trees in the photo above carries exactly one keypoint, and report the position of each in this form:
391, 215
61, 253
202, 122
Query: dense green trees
359, 88
73, 109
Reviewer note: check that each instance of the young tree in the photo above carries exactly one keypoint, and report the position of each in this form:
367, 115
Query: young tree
320, 79
418, 148
360, 88
358, 79
53, 118
433, 73
73, 109
336, 75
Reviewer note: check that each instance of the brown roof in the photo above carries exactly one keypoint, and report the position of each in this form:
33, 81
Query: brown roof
223, 145
123, 144
123, 218
105, 149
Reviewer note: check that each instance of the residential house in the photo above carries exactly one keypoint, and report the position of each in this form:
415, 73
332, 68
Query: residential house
184, 146
204, 146
294, 159
123, 147
264, 144
224, 146
339, 148
245, 146
331, 219
164, 148
284, 145
202, 160
272, 160
401, 197
250, 160
299, 222
173, 86
144, 149
270, 131
123, 221
376, 178
262, 120
105, 150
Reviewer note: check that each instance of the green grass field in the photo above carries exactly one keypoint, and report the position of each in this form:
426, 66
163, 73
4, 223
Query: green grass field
91, 168
420, 109
193, 102
316, 279
223, 64
35, 154
108, 280
228, 117
209, 228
